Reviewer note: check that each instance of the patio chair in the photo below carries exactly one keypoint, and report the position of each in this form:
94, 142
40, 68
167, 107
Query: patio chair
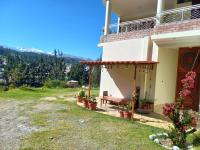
105, 93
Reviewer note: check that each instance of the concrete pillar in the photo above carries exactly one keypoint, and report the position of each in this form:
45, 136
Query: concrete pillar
160, 8
118, 24
107, 18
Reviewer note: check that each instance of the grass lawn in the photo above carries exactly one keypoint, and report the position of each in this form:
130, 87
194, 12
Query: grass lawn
63, 125
37, 93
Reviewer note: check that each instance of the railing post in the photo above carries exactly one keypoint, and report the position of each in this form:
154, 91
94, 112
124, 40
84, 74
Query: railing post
160, 8
182, 14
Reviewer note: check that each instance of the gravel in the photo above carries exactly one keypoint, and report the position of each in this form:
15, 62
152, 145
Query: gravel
13, 126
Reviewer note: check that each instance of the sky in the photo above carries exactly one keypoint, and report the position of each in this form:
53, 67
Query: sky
73, 26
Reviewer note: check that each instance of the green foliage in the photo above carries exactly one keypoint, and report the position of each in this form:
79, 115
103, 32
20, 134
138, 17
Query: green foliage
92, 99
3, 88
196, 139
81, 93
33, 69
79, 73
54, 84
178, 138
96, 74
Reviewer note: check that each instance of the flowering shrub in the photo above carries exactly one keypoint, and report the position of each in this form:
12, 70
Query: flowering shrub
181, 119
188, 84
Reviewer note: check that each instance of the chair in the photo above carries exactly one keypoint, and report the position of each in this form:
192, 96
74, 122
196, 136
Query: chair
105, 93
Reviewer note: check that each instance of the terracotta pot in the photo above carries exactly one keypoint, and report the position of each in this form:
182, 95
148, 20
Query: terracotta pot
127, 114
85, 103
121, 113
194, 123
79, 99
92, 105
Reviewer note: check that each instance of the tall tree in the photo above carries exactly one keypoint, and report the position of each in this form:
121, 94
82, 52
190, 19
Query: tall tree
79, 73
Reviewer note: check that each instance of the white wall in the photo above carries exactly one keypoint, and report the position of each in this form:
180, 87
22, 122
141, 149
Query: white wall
165, 82
118, 81
126, 50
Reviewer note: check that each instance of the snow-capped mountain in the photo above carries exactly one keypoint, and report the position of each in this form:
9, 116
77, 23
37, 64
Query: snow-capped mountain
34, 50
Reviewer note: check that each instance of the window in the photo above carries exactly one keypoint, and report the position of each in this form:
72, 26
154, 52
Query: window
183, 1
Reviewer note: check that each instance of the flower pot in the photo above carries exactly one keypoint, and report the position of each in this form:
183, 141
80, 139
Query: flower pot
79, 99
194, 123
85, 103
92, 105
127, 114
121, 113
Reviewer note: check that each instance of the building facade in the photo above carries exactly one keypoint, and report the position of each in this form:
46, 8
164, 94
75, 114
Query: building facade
164, 31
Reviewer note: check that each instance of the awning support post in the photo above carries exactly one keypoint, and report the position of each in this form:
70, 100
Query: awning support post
134, 91
90, 80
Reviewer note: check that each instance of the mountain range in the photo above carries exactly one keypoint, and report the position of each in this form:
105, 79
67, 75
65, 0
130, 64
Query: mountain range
69, 59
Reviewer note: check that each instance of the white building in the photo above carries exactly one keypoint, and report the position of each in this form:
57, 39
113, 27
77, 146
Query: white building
163, 31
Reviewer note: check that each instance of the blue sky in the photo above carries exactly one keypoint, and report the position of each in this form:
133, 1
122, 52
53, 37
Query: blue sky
73, 26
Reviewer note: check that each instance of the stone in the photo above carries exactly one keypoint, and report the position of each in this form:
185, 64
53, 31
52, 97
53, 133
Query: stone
165, 134
190, 147
175, 148
157, 141
152, 137
81, 121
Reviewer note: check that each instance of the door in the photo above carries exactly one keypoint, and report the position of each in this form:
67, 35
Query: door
187, 58
195, 2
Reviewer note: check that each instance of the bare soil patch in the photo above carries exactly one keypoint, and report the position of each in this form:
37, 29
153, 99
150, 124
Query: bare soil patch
12, 125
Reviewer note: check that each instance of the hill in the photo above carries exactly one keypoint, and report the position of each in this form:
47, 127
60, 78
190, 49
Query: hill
69, 59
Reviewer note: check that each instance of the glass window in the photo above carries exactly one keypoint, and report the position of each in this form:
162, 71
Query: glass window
183, 1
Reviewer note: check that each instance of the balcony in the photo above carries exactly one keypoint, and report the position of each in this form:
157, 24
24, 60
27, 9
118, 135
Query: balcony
174, 20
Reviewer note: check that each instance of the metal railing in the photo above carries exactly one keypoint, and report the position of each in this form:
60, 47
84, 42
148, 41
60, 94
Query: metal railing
135, 25
179, 14
169, 16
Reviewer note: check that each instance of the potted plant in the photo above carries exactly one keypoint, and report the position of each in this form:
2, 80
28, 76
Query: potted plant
80, 96
194, 119
121, 110
146, 106
85, 102
127, 113
92, 103
121, 113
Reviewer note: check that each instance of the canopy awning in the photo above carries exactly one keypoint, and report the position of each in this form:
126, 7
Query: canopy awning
119, 62
109, 64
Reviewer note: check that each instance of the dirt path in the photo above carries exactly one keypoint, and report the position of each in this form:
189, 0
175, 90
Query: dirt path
15, 121
12, 125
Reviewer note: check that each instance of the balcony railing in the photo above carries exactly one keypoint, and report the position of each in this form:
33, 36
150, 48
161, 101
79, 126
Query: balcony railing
135, 25
169, 16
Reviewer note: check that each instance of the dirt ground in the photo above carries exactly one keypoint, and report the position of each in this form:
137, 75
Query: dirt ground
15, 120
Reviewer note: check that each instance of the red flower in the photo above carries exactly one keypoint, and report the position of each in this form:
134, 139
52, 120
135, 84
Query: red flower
168, 109
186, 92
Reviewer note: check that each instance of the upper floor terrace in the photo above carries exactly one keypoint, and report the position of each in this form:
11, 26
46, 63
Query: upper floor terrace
142, 18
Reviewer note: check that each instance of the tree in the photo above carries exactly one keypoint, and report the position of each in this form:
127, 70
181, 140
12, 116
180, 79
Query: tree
96, 75
33, 70
79, 73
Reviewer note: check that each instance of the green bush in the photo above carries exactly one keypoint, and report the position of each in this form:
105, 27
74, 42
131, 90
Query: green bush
26, 88
54, 84
196, 139
81, 93
3, 88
